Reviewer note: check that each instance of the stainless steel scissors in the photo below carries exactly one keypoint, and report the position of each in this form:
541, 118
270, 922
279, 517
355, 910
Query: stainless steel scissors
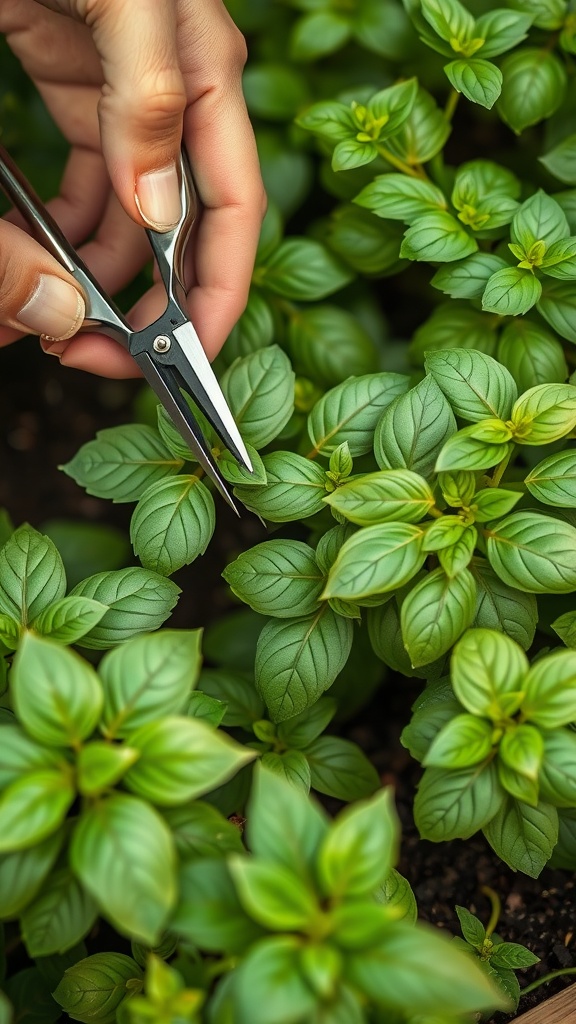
168, 352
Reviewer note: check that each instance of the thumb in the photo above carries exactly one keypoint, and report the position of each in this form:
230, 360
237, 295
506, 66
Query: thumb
142, 105
37, 296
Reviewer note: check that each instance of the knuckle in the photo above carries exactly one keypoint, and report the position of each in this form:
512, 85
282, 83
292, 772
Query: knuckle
162, 96
234, 49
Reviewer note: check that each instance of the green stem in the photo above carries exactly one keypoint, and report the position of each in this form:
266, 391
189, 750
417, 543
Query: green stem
545, 978
400, 165
501, 468
451, 104
496, 908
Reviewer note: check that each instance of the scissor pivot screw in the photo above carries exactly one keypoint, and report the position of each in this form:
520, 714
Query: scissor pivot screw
161, 343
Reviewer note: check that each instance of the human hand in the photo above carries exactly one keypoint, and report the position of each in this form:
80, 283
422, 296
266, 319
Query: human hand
126, 80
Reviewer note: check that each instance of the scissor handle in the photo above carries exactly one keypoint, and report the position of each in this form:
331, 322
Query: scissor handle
169, 246
101, 312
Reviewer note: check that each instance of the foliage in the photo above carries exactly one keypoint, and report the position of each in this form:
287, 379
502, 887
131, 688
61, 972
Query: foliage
401, 377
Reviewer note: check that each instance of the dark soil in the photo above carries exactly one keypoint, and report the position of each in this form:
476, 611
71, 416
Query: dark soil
46, 413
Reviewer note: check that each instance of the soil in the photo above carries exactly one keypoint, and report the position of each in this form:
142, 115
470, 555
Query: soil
46, 413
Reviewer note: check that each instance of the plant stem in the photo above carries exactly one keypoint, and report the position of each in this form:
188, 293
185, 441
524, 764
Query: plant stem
545, 978
414, 172
501, 468
451, 104
496, 908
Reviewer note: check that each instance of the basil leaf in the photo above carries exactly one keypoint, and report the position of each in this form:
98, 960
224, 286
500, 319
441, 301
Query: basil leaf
278, 577
476, 385
138, 601
501, 30
200, 831
273, 895
437, 237
479, 80
297, 659
243, 703
272, 968
302, 269
260, 393
301, 730
375, 560
209, 913
68, 619
31, 573
532, 354
396, 893
412, 430
290, 765
172, 524
501, 607
511, 292
486, 667
557, 776
467, 278
328, 344
123, 853
533, 552
455, 804
522, 836
23, 872
295, 488
464, 741
59, 918
391, 495
34, 807
360, 848
423, 133
560, 160
350, 412
340, 769
550, 690
553, 481
533, 88
435, 613
397, 197
284, 825
122, 462
558, 307
545, 413
97, 985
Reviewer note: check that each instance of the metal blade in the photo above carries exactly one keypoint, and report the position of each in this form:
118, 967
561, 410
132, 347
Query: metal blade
205, 389
160, 379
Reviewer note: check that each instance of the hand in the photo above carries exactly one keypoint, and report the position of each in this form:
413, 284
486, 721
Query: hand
126, 80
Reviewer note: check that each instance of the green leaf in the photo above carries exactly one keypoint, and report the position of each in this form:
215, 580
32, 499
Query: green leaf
340, 769
273, 895
278, 577
122, 462
172, 524
488, 671
435, 613
391, 495
301, 730
271, 968
123, 854
472, 929
533, 88
376, 560
328, 344
350, 412
412, 430
22, 873
20, 754
437, 237
148, 677
243, 703
297, 659
59, 918
303, 269
255, 328
100, 765
557, 776
455, 804
462, 742
31, 574
208, 913
558, 307
33, 807
94, 988
290, 765
238, 475
522, 749
501, 607
413, 969
260, 391
199, 831
532, 354
396, 893
550, 690
533, 553
467, 278
479, 80
450, 320
360, 849
284, 825
138, 600
539, 219
424, 132
560, 160
501, 30
545, 13
511, 292
565, 627
553, 481
522, 836
449, 19
397, 197
512, 955
181, 759
318, 34
329, 120
370, 246
350, 154
68, 619
545, 413
57, 695
205, 708
295, 488
274, 92
10, 632
493, 502
476, 385
86, 548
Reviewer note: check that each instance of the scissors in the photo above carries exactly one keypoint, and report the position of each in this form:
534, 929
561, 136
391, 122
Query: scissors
168, 352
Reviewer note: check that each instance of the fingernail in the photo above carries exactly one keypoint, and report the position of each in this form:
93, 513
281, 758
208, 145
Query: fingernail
55, 310
158, 198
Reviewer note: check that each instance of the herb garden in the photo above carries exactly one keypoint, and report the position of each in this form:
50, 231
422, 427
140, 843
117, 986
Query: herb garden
205, 722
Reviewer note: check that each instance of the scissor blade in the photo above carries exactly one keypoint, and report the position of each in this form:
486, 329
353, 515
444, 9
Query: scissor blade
161, 380
201, 381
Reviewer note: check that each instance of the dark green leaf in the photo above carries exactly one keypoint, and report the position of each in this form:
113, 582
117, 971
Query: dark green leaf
278, 577
534, 86
31, 575
522, 836
122, 462
350, 412
340, 769
138, 600
455, 804
479, 80
260, 392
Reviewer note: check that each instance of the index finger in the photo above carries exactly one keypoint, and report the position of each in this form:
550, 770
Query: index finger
222, 150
